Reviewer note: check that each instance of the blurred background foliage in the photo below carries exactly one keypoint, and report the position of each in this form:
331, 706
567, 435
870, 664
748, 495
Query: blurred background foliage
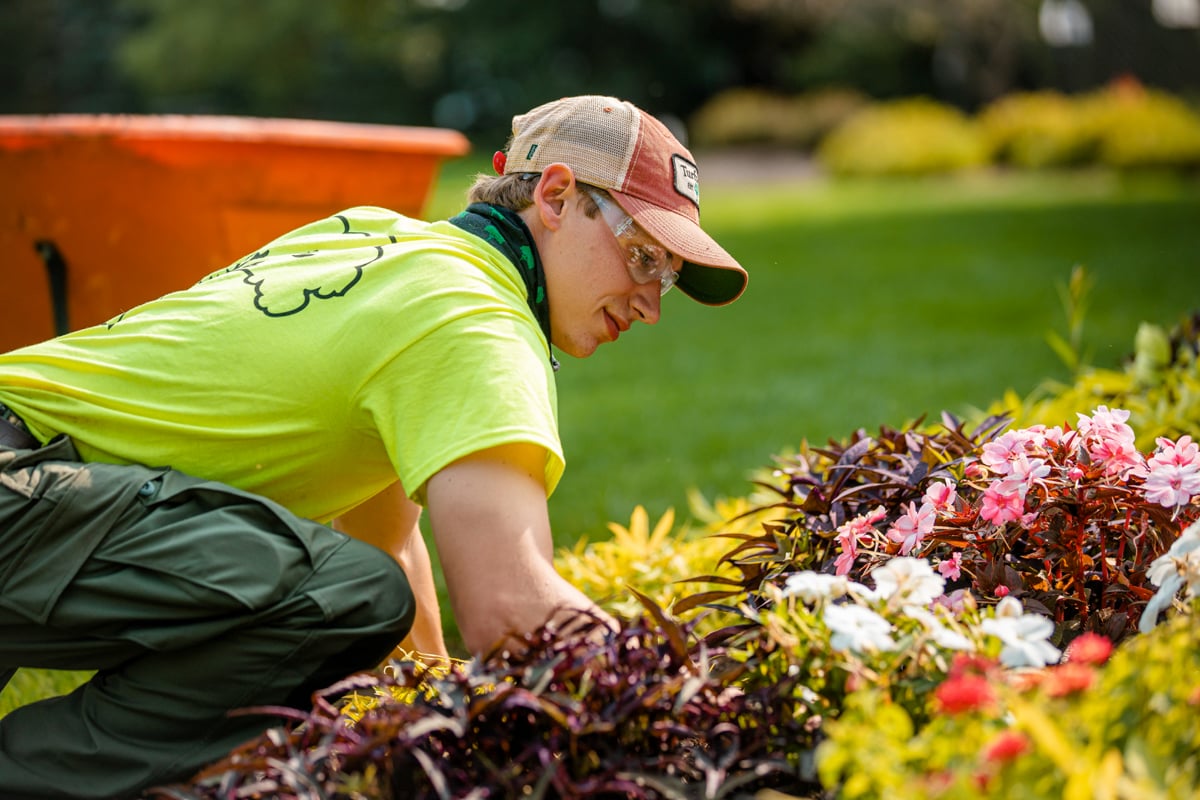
470, 65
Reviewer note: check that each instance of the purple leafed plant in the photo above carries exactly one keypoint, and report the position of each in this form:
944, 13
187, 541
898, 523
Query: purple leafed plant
640, 712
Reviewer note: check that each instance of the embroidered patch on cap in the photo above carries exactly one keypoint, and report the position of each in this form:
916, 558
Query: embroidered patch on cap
687, 178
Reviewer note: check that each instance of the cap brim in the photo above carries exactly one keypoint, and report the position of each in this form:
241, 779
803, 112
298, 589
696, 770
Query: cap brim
709, 275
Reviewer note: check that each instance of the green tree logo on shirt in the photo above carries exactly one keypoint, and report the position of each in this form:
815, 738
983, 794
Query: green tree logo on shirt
286, 283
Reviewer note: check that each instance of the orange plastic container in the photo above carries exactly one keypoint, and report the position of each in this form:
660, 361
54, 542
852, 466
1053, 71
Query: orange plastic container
101, 213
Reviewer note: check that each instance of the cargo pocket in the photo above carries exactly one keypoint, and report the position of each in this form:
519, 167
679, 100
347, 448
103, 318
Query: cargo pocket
54, 513
223, 540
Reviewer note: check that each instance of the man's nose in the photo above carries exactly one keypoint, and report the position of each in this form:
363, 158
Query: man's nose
647, 302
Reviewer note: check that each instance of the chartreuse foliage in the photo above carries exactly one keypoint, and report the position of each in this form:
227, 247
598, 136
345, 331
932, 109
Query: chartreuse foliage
1130, 729
664, 564
660, 563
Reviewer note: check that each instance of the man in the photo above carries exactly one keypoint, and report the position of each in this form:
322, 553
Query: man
165, 477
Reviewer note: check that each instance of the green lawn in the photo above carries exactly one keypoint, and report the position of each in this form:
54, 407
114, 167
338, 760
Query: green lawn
870, 302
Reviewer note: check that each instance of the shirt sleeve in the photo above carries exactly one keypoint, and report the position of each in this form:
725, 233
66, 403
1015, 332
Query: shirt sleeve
479, 380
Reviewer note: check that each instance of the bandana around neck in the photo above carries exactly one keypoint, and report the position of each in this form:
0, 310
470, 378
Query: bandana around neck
504, 229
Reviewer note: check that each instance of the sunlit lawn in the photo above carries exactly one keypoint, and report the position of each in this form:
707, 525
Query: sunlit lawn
869, 303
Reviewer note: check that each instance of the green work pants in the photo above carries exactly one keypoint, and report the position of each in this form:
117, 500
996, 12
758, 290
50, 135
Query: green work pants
189, 597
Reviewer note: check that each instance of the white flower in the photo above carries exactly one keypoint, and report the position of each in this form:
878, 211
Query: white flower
858, 628
911, 580
1025, 636
813, 586
942, 636
1175, 569
1009, 607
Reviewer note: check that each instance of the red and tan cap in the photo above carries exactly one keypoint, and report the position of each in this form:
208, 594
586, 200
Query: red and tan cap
615, 145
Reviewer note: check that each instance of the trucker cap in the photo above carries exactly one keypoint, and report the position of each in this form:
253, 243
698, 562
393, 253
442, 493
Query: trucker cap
616, 146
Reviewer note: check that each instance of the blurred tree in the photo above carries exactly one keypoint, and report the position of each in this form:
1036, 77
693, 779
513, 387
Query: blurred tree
470, 64
55, 56
962, 52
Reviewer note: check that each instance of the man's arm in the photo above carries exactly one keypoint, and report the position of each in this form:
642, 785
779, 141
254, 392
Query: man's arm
492, 532
391, 522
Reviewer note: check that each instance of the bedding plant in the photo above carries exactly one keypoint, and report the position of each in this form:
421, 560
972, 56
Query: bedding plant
886, 617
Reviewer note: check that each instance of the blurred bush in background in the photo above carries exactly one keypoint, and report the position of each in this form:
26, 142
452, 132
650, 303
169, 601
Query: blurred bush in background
1123, 125
904, 137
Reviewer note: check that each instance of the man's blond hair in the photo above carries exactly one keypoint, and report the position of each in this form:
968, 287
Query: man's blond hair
515, 191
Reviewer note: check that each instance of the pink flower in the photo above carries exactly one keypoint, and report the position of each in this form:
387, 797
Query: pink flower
1029, 470
1184, 454
951, 568
1001, 506
1171, 485
851, 533
1106, 424
912, 527
941, 495
999, 453
1110, 442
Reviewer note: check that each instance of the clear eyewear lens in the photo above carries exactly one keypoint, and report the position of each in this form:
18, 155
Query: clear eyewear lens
646, 262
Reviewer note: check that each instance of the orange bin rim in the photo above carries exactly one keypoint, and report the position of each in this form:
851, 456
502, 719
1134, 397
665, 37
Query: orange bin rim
21, 130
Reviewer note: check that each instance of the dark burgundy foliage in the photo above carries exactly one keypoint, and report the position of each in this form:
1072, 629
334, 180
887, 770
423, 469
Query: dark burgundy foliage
643, 712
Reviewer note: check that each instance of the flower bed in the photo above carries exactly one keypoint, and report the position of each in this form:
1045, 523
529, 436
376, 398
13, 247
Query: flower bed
933, 611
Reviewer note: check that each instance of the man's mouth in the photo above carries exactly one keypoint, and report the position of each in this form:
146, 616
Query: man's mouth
615, 326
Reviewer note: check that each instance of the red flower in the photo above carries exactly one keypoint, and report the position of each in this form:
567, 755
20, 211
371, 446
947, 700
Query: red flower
1068, 678
970, 663
1090, 648
965, 693
1005, 747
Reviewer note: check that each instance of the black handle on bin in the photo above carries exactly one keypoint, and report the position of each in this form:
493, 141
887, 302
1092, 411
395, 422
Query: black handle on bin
56, 271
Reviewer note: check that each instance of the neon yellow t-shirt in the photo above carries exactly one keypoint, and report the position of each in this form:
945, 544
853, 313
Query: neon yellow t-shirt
352, 351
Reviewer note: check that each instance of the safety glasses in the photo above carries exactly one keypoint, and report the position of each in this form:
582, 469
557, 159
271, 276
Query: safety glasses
647, 260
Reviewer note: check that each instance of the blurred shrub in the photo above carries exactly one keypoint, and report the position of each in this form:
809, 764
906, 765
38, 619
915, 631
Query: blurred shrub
1137, 127
904, 137
758, 117
1037, 129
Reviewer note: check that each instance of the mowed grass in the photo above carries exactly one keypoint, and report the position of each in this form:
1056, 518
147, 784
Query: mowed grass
870, 302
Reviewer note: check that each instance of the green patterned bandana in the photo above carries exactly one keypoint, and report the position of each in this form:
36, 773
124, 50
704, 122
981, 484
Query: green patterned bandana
506, 231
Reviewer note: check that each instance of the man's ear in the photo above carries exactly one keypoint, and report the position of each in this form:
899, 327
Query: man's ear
554, 187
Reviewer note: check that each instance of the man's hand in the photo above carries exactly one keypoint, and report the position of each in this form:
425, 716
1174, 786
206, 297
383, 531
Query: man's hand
492, 531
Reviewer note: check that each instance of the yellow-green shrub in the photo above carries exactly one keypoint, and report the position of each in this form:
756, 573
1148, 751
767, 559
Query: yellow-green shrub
1037, 129
657, 562
755, 116
904, 137
1138, 127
